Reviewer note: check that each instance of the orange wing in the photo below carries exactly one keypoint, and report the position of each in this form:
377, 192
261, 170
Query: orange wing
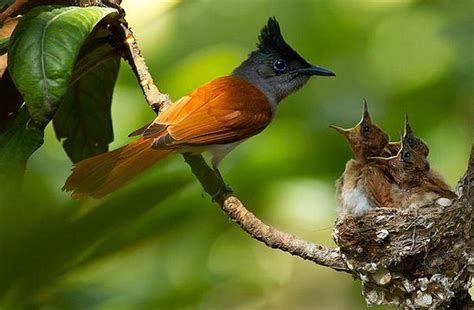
225, 110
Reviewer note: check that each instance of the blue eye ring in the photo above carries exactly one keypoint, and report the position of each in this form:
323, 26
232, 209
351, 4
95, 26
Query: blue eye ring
279, 65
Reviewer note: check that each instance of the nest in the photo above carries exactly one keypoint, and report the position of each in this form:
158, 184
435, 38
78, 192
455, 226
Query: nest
411, 258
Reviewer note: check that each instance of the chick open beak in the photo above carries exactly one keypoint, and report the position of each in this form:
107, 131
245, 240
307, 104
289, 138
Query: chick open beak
341, 130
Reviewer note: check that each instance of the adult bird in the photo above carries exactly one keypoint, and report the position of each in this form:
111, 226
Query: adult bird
215, 117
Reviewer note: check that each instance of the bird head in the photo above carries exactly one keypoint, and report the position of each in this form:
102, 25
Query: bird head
276, 68
407, 167
411, 141
366, 139
411, 158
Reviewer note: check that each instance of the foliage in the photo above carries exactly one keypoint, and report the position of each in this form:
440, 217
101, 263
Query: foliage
43, 63
42, 52
3, 45
83, 118
4, 3
121, 252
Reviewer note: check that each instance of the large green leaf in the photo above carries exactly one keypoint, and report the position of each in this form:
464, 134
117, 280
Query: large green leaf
18, 140
42, 53
17, 144
11, 100
84, 118
3, 45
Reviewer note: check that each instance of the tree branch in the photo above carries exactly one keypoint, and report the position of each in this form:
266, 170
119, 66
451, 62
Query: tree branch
229, 203
277, 239
257, 229
156, 100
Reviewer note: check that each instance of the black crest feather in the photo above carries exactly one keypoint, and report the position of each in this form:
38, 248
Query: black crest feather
271, 41
270, 36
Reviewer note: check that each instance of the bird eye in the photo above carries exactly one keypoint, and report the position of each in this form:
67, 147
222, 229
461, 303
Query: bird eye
366, 128
406, 155
410, 141
279, 65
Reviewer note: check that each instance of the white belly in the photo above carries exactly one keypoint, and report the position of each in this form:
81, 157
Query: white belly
216, 151
219, 151
355, 201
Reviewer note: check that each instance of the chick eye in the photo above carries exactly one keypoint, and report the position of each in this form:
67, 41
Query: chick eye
410, 141
406, 155
279, 65
366, 128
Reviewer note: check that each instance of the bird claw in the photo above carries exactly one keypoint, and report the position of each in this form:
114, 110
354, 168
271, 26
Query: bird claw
225, 189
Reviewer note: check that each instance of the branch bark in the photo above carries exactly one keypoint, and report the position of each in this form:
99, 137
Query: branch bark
257, 229
156, 100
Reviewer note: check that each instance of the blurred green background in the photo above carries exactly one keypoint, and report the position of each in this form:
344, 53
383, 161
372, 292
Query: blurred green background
160, 243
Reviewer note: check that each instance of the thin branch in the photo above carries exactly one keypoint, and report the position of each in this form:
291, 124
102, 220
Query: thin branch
229, 203
157, 101
277, 239
15, 6
257, 229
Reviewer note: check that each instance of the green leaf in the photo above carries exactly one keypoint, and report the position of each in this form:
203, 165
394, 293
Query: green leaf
84, 118
42, 53
4, 3
11, 100
17, 144
3, 45
19, 141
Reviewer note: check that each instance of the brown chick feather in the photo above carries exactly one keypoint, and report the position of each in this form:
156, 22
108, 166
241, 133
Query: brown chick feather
378, 188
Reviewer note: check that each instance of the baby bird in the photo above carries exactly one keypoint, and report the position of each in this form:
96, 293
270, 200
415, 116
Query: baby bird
366, 139
412, 141
416, 184
362, 187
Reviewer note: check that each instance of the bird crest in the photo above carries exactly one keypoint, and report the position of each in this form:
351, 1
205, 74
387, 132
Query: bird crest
270, 41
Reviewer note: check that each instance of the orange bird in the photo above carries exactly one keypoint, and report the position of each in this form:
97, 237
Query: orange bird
215, 117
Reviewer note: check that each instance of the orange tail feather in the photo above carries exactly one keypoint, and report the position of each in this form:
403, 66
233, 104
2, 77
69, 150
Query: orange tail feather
102, 174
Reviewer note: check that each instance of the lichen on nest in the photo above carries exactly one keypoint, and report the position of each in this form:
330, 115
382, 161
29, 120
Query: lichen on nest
412, 258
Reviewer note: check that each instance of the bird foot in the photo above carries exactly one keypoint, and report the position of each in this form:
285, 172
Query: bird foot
225, 189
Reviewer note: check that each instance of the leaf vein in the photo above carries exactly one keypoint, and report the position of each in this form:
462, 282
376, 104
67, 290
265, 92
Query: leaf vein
46, 95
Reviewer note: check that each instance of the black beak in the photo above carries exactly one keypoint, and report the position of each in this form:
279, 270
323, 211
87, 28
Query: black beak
315, 70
